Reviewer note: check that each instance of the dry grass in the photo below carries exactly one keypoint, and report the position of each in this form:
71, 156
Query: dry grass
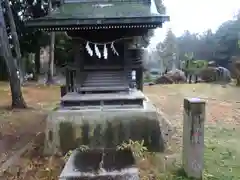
222, 155
223, 103
33, 166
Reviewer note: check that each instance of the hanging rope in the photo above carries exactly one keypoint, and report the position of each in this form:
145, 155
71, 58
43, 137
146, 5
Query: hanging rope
104, 54
108, 42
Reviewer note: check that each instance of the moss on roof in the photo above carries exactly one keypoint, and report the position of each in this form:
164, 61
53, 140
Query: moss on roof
92, 13
102, 10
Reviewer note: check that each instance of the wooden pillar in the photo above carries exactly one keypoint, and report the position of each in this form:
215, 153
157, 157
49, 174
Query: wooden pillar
63, 90
139, 74
67, 79
127, 63
78, 62
193, 137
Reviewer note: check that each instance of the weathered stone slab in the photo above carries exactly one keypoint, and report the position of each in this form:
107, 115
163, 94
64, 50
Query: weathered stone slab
100, 164
103, 96
103, 128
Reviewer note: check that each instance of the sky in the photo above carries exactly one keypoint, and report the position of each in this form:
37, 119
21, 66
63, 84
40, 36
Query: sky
195, 15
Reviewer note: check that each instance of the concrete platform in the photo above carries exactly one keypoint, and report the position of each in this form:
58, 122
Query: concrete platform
104, 96
105, 128
115, 165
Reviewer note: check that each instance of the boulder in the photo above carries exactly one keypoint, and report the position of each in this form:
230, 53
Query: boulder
209, 74
174, 76
177, 76
164, 80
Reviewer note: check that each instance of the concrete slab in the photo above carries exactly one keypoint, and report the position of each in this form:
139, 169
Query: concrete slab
91, 164
105, 128
132, 95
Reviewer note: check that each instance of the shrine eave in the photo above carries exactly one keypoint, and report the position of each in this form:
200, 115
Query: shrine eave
63, 24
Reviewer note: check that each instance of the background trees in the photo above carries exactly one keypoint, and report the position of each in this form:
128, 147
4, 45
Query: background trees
11, 64
220, 46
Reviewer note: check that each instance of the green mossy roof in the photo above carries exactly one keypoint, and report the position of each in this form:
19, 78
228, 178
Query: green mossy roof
87, 13
107, 10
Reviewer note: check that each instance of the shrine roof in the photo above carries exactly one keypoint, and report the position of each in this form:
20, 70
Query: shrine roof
98, 15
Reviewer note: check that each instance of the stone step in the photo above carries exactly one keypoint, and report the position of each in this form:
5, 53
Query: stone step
103, 96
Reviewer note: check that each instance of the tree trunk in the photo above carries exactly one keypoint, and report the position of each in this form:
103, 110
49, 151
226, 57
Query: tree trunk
51, 59
161, 67
17, 98
15, 40
238, 81
174, 67
196, 78
37, 64
190, 79
51, 51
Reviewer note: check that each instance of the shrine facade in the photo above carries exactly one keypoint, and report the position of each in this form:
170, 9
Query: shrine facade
107, 36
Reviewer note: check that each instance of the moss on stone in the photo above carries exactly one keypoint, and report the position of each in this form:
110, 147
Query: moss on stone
67, 136
85, 133
112, 132
109, 135
121, 133
97, 136
157, 143
78, 134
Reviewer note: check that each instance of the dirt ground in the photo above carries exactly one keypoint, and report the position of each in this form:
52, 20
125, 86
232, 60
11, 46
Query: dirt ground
222, 102
18, 127
223, 109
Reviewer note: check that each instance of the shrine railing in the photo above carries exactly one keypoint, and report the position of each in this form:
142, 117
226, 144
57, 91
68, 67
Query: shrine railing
73, 77
70, 80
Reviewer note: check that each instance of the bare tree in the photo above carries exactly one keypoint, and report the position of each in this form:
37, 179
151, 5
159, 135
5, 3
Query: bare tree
5, 51
15, 39
51, 50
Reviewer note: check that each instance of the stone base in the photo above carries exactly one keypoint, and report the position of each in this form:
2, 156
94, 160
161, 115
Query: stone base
105, 128
99, 164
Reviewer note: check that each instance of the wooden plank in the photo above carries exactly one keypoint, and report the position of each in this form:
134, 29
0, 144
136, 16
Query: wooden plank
103, 84
106, 80
113, 88
103, 67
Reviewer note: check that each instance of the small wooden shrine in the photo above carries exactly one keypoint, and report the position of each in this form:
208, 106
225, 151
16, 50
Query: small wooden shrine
107, 55
102, 103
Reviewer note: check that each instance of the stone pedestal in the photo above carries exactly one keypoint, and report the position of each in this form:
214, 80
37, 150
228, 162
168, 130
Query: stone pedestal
100, 164
193, 137
102, 127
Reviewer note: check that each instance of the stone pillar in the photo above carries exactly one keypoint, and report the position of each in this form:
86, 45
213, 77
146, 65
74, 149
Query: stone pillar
193, 137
